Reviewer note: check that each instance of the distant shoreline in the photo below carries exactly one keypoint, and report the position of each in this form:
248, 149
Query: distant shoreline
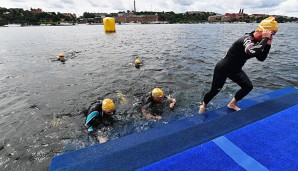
76, 24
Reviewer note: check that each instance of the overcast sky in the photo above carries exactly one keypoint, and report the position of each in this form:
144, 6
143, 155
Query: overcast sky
273, 7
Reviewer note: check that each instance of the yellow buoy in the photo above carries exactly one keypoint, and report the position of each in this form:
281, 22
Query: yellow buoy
109, 24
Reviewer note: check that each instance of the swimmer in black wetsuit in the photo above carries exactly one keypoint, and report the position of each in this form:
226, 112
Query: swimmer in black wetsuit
255, 44
138, 62
100, 115
152, 101
60, 57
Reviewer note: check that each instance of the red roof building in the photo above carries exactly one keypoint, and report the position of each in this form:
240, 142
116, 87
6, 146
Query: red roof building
36, 11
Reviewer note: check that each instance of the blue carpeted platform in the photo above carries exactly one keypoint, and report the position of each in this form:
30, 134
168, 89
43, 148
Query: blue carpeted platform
138, 150
269, 144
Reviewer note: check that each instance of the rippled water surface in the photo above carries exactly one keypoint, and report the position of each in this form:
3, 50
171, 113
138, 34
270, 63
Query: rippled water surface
41, 100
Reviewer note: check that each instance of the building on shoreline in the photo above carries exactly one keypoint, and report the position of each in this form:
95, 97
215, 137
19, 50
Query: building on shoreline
131, 17
215, 18
36, 11
229, 17
69, 15
137, 18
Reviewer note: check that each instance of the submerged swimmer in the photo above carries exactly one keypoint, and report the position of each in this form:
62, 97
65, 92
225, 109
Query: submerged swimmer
151, 101
138, 62
100, 116
60, 57
255, 44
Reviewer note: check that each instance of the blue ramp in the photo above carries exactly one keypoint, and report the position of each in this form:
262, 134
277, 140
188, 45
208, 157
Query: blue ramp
269, 144
138, 150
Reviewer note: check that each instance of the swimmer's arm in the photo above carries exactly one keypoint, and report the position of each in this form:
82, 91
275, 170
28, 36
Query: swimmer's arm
92, 135
253, 49
264, 54
148, 115
173, 101
100, 136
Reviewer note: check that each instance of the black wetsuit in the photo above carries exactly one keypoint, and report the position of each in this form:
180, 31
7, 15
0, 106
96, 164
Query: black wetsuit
231, 65
59, 59
103, 119
150, 105
62, 60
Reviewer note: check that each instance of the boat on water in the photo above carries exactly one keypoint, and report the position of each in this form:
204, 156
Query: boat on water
131, 23
155, 22
94, 23
13, 25
159, 22
66, 24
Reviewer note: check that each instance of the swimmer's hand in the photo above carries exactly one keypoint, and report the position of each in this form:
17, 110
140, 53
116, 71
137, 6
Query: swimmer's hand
266, 34
102, 139
172, 105
158, 117
270, 41
150, 116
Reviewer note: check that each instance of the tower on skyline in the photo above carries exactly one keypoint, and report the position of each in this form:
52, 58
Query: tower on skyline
134, 6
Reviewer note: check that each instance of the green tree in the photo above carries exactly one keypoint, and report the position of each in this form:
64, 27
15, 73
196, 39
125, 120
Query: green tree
280, 19
88, 15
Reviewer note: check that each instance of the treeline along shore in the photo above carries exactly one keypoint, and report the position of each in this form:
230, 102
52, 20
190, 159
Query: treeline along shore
40, 17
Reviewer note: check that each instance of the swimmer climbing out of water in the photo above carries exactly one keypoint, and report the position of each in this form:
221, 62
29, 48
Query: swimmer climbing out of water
99, 116
155, 97
255, 44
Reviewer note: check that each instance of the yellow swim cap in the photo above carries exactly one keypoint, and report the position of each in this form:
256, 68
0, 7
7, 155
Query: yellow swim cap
137, 61
61, 55
108, 105
157, 92
268, 23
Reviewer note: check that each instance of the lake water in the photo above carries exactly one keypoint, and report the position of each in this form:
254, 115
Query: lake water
41, 100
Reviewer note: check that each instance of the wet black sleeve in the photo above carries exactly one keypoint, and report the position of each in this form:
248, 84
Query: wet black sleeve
253, 49
146, 102
264, 54
97, 107
146, 105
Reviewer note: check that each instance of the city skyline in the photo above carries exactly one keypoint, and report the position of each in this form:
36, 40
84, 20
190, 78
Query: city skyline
274, 7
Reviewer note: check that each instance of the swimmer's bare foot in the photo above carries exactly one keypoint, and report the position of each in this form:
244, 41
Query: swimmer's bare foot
202, 109
233, 107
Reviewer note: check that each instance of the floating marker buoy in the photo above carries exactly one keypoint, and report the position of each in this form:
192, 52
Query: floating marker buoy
109, 24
